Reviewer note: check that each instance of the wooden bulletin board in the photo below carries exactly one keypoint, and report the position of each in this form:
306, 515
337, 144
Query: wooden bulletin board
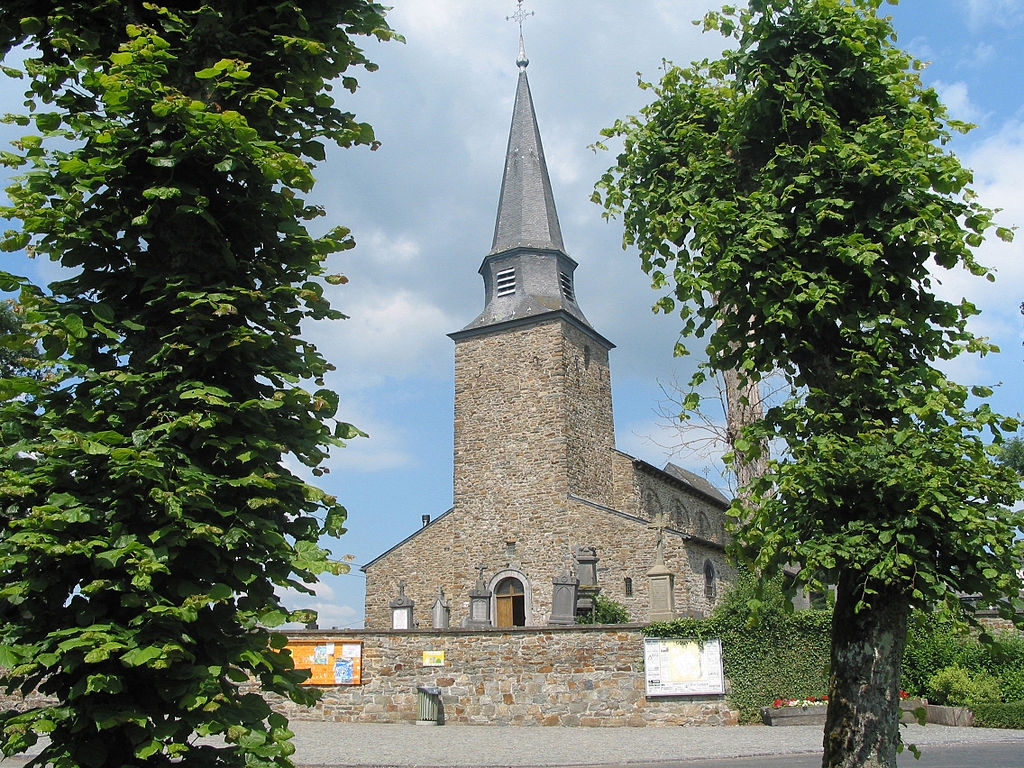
339, 662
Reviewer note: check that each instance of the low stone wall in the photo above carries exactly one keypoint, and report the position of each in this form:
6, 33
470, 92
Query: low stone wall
573, 676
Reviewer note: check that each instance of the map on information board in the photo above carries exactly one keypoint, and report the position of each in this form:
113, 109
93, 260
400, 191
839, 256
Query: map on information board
337, 663
680, 667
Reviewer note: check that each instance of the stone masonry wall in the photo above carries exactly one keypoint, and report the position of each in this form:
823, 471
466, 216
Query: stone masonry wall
590, 430
590, 676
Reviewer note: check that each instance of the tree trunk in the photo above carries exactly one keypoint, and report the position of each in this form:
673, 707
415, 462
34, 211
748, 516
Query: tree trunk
743, 407
862, 726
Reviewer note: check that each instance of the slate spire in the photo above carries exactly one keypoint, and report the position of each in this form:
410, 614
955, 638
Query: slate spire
526, 205
527, 273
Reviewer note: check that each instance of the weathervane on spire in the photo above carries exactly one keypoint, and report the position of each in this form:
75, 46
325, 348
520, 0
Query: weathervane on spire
519, 17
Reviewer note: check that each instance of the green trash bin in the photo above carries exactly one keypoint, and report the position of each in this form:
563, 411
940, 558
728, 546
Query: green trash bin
428, 705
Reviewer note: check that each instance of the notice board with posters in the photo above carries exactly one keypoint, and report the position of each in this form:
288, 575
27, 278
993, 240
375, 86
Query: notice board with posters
339, 662
681, 667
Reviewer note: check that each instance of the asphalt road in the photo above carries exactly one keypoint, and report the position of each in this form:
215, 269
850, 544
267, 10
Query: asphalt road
350, 745
999, 755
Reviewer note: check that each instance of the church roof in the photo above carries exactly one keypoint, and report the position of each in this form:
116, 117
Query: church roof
695, 481
527, 273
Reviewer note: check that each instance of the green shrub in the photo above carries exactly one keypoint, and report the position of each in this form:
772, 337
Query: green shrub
950, 686
999, 715
1012, 685
986, 689
605, 611
957, 687
933, 643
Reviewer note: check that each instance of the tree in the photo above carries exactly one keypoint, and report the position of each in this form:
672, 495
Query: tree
1012, 454
16, 355
149, 512
792, 200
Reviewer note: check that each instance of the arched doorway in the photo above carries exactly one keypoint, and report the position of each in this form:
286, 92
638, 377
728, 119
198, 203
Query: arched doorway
510, 603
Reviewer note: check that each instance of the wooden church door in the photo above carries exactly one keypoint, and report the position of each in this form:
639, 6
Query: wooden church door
510, 603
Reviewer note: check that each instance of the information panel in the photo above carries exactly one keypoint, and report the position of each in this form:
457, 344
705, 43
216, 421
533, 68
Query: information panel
338, 663
680, 667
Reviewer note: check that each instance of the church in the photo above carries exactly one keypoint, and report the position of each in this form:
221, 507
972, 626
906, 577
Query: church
546, 513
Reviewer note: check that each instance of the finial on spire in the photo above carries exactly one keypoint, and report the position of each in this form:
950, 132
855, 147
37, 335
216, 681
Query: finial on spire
519, 17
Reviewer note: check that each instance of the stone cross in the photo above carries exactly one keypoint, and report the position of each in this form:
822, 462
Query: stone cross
658, 525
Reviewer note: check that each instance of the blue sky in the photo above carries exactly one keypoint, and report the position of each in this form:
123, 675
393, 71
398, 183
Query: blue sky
422, 210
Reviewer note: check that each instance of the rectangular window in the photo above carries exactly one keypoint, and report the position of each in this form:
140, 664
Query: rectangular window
505, 282
566, 280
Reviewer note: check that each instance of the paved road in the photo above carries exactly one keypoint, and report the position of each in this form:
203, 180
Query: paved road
985, 755
346, 745
343, 744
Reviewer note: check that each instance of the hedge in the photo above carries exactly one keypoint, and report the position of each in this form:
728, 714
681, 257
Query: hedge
999, 715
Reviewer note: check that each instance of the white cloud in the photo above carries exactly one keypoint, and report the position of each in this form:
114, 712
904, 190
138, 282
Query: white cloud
330, 612
386, 448
994, 13
389, 335
386, 250
998, 165
958, 101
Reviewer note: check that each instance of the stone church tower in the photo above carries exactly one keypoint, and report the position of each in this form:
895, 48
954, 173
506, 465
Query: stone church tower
540, 493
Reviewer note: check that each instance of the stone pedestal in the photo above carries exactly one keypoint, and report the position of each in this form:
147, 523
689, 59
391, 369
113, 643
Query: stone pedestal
401, 609
440, 613
661, 588
563, 599
479, 604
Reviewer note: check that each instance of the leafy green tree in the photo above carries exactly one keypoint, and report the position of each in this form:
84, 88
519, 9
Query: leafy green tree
1012, 454
149, 515
17, 355
792, 200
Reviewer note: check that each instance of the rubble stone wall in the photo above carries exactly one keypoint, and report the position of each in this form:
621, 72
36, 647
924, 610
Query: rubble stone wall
578, 676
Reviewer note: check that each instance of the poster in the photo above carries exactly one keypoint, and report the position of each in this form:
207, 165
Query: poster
331, 663
433, 658
681, 667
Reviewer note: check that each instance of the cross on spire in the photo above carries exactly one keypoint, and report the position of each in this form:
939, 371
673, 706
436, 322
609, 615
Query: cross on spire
519, 16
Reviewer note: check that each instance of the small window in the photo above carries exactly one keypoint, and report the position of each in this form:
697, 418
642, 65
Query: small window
505, 282
709, 580
629, 586
566, 281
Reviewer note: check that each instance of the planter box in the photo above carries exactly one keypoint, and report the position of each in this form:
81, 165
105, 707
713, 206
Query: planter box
950, 715
908, 706
815, 714
811, 715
